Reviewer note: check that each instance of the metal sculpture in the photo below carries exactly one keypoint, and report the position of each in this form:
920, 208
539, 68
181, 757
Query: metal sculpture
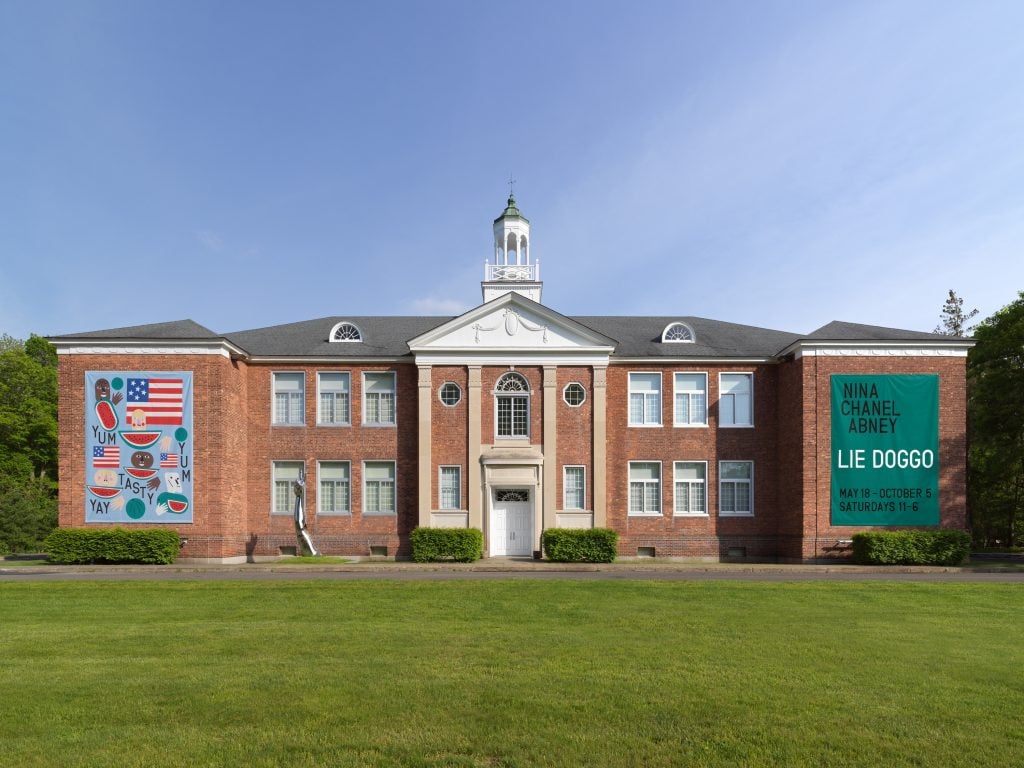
303, 541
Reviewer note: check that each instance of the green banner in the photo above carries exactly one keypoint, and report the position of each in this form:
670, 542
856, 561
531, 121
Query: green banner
885, 450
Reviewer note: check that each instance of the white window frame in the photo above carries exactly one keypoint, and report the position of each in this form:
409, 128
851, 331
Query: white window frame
749, 482
347, 421
319, 485
688, 424
290, 495
394, 487
440, 487
273, 399
565, 392
676, 467
338, 326
394, 399
440, 394
513, 396
565, 486
629, 491
729, 405
678, 324
646, 395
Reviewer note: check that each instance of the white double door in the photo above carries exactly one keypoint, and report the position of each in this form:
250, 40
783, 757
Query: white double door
511, 531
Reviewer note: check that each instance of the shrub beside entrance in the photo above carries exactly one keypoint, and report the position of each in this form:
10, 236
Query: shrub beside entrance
580, 545
430, 545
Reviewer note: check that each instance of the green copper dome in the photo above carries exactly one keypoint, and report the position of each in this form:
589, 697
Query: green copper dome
511, 211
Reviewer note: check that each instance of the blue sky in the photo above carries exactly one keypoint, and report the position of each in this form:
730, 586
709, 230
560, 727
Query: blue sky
245, 164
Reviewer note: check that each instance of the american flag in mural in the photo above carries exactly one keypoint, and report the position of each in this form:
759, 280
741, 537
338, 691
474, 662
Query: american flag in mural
160, 400
106, 456
168, 460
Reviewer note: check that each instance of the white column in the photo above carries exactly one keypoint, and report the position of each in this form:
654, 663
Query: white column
600, 471
425, 453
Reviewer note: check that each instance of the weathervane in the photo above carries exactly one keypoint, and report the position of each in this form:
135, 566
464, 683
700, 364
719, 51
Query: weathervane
511, 182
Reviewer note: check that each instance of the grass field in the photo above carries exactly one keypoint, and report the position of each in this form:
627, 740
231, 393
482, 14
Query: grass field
510, 673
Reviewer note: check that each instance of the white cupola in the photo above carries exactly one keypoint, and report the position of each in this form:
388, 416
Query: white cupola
512, 269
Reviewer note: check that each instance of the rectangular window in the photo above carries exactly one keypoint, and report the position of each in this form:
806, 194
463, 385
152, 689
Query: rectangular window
451, 488
644, 399
289, 398
644, 488
691, 495
334, 496
284, 475
574, 487
736, 400
379, 487
379, 399
736, 487
513, 414
333, 402
691, 400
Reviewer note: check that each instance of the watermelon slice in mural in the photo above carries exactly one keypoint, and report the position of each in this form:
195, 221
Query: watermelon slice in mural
137, 410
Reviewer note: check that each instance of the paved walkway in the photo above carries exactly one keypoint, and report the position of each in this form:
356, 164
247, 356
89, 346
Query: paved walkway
504, 569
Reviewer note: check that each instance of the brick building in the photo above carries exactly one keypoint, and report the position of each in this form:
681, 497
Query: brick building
690, 437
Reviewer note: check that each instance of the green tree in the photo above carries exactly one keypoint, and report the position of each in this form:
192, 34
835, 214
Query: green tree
995, 371
28, 442
953, 319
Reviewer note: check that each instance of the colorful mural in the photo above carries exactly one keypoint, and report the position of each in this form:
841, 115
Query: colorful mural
138, 447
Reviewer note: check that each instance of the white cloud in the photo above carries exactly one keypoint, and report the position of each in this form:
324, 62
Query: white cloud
210, 240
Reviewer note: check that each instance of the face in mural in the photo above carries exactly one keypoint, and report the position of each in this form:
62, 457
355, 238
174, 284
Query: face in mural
138, 419
142, 459
105, 477
102, 389
173, 480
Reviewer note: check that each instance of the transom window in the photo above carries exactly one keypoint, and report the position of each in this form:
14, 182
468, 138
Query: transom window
379, 399
289, 398
644, 399
333, 402
512, 406
379, 487
574, 394
691, 400
511, 495
691, 488
346, 331
735, 488
451, 488
334, 497
735, 400
644, 488
450, 393
677, 332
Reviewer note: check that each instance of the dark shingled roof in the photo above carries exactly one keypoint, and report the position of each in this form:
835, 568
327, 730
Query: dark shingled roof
383, 337
641, 337
837, 330
174, 329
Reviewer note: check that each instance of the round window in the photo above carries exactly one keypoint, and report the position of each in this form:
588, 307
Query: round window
574, 394
450, 393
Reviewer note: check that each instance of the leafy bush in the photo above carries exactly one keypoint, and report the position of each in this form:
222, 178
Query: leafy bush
113, 545
463, 545
28, 512
581, 545
911, 547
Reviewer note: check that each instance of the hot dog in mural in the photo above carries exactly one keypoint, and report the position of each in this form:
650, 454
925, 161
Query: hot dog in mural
138, 444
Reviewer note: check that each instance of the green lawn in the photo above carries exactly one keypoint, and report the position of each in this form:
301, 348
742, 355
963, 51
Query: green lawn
510, 673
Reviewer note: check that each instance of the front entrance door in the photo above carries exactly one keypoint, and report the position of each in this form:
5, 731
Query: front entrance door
511, 523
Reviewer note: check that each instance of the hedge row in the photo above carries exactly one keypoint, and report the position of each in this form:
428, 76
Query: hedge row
113, 545
463, 545
580, 545
911, 547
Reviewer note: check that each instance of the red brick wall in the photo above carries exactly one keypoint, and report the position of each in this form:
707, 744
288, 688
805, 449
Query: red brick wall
708, 536
449, 430
820, 537
489, 376
575, 426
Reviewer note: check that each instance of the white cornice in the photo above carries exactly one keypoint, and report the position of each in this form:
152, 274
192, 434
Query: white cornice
513, 357
705, 360
322, 360
147, 347
878, 349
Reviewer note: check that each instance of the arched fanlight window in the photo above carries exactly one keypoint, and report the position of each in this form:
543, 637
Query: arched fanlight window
346, 331
512, 406
677, 332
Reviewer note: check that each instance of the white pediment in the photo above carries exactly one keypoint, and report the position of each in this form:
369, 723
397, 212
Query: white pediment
512, 323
